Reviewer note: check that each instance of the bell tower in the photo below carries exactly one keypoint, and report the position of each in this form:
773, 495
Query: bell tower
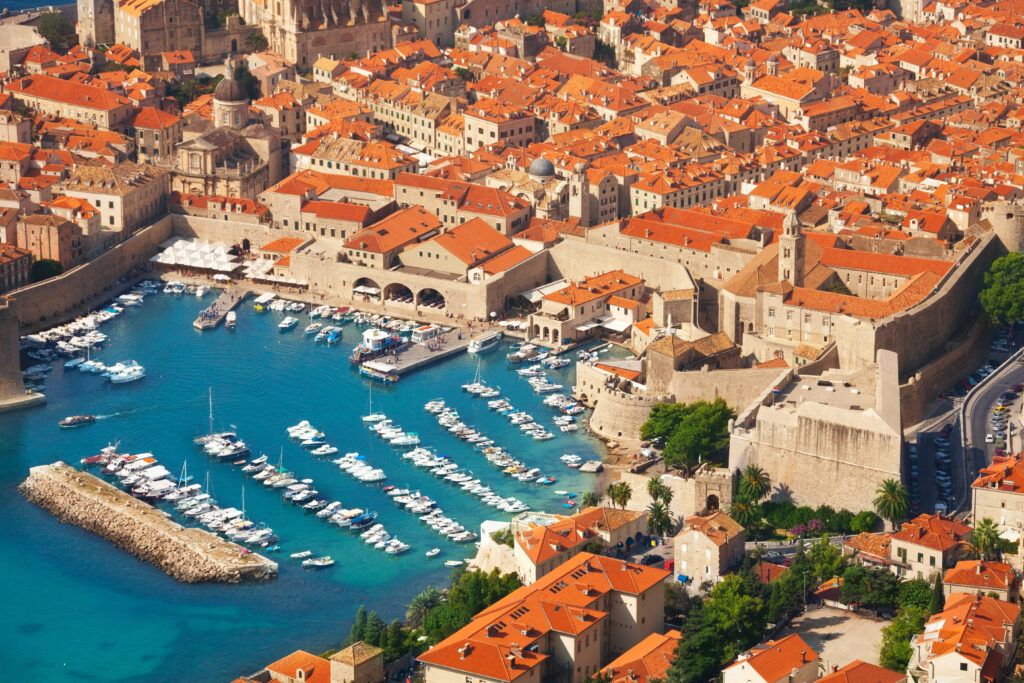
791, 251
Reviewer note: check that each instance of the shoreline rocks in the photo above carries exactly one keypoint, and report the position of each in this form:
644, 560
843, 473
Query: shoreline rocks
185, 554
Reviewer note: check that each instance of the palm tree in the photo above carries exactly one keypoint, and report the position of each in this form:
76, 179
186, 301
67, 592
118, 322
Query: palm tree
420, 605
746, 513
892, 501
619, 492
659, 519
655, 487
589, 499
755, 483
986, 539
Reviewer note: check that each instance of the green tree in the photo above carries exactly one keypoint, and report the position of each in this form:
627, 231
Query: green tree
45, 268
55, 27
826, 559
864, 521
698, 658
359, 627
561, 42
735, 612
892, 501
374, 630
589, 499
421, 605
785, 599
755, 483
746, 513
1002, 292
938, 599
896, 650
915, 593
256, 41
871, 588
619, 493
701, 431
535, 20
659, 519
463, 73
657, 490
445, 620
985, 540
222, 19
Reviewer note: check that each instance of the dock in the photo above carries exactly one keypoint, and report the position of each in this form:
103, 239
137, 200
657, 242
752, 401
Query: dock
187, 554
214, 314
416, 356
592, 466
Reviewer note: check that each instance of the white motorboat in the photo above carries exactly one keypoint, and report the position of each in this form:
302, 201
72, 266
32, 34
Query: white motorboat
484, 341
302, 555
202, 290
288, 323
318, 562
433, 552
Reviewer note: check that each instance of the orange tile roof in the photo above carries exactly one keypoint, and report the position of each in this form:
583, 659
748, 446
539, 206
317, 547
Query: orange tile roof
767, 572
313, 669
593, 288
75, 94
342, 211
648, 660
150, 117
283, 244
970, 626
397, 230
507, 259
1006, 473
933, 531
471, 242
875, 545
982, 574
717, 526
858, 671
776, 659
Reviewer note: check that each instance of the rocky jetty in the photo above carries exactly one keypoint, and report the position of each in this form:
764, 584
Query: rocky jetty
188, 555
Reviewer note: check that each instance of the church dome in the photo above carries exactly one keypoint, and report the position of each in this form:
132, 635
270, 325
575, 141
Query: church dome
541, 168
230, 90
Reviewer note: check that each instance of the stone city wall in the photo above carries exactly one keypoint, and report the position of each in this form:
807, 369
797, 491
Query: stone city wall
706, 489
75, 292
575, 259
617, 414
737, 387
186, 554
923, 388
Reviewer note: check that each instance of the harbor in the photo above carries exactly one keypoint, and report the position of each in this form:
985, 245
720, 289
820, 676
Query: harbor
289, 378
186, 554
418, 356
215, 314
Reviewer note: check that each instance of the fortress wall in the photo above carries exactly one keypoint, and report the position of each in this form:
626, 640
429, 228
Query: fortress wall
942, 373
920, 334
689, 495
739, 388
80, 289
576, 259
228, 232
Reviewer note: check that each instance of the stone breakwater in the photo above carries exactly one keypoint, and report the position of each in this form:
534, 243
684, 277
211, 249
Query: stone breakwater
186, 554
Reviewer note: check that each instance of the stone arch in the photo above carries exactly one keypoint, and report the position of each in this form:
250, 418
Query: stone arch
234, 45
246, 244
398, 292
536, 330
431, 298
363, 287
712, 503
554, 334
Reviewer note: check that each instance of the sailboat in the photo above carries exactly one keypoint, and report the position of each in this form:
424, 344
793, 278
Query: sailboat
372, 416
211, 436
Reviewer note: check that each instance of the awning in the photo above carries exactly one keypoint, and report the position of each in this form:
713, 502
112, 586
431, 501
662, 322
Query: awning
363, 289
585, 327
616, 325
379, 366
537, 293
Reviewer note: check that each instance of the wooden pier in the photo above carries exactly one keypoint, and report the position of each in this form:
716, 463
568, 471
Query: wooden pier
214, 315
416, 356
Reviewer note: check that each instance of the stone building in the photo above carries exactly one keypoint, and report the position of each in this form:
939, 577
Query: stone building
301, 31
233, 155
156, 26
15, 267
708, 547
998, 493
565, 626
926, 546
982, 577
572, 312
358, 663
127, 196
156, 133
786, 660
51, 237
96, 22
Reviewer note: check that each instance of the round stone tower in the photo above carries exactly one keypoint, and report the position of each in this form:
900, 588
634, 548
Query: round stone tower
1007, 219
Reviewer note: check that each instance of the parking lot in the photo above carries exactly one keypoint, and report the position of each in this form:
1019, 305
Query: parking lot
837, 636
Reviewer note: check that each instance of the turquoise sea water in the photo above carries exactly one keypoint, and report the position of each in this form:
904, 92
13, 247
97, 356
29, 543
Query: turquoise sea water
79, 609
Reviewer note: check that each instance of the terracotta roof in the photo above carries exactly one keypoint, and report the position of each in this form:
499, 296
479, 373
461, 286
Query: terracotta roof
397, 230
1006, 473
342, 211
150, 117
648, 660
969, 626
766, 572
470, 242
313, 669
283, 245
75, 94
776, 659
592, 288
506, 259
875, 545
858, 671
717, 526
982, 574
933, 531
357, 653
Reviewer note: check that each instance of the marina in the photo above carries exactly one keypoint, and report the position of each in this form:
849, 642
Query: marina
289, 378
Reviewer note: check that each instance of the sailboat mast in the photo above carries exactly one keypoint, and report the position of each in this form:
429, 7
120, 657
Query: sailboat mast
211, 410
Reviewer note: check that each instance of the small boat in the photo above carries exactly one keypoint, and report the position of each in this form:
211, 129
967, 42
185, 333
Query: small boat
77, 421
311, 328
231, 320
318, 562
302, 555
288, 323
453, 563
433, 552
201, 291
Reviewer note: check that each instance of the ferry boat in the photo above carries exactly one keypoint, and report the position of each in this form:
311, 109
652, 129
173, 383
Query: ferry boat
377, 373
77, 421
231, 320
425, 333
375, 343
484, 341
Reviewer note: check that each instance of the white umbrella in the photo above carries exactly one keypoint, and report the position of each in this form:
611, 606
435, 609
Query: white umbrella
220, 277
